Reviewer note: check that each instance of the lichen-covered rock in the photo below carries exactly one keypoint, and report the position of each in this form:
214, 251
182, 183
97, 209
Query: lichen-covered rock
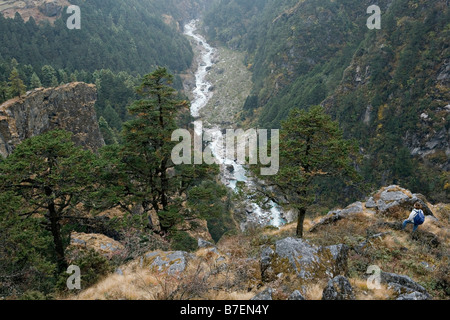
394, 198
69, 107
264, 295
170, 262
338, 288
307, 261
402, 284
98, 242
336, 215
296, 295
204, 244
413, 296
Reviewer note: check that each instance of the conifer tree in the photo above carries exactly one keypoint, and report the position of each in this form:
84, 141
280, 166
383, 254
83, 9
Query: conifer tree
311, 148
51, 176
35, 82
17, 87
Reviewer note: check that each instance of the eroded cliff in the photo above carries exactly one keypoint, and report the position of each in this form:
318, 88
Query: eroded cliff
69, 107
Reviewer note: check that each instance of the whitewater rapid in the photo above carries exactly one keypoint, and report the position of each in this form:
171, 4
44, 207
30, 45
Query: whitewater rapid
202, 93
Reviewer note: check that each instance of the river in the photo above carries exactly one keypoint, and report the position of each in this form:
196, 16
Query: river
231, 171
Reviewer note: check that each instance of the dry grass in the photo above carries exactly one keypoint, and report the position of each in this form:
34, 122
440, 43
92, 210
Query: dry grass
237, 275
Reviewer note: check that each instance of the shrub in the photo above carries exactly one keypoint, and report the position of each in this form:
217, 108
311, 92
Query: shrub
181, 240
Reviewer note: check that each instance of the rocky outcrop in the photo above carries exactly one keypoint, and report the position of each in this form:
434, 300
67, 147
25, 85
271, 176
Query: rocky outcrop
296, 295
338, 288
170, 262
394, 198
307, 261
69, 107
264, 295
339, 214
404, 286
50, 8
98, 242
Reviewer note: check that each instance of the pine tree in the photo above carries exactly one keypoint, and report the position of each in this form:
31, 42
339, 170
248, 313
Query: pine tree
35, 82
148, 147
48, 76
17, 87
311, 148
52, 177
4, 91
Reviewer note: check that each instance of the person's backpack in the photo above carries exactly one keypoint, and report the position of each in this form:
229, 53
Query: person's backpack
419, 218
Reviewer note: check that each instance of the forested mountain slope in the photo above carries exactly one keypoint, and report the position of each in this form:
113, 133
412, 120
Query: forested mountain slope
388, 88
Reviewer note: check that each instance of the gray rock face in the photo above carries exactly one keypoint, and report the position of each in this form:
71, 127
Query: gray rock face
413, 296
266, 263
204, 244
394, 197
403, 285
69, 107
264, 295
336, 215
338, 288
296, 295
170, 262
50, 8
304, 259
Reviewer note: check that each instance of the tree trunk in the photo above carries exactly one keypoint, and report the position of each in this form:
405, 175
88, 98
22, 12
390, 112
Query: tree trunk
300, 220
55, 229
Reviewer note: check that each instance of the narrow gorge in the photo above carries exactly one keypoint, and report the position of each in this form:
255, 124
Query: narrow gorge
221, 70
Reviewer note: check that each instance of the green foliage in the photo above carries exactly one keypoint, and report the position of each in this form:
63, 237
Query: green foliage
25, 259
52, 177
17, 87
124, 37
210, 201
182, 241
304, 53
93, 266
311, 147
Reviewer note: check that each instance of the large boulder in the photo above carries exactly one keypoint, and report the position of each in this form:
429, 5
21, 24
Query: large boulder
394, 198
403, 285
338, 288
339, 214
307, 261
169, 262
98, 242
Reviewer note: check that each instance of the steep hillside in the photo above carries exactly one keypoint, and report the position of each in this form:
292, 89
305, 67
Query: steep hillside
388, 88
270, 264
133, 37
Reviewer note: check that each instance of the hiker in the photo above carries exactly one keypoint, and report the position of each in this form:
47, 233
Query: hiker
416, 217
